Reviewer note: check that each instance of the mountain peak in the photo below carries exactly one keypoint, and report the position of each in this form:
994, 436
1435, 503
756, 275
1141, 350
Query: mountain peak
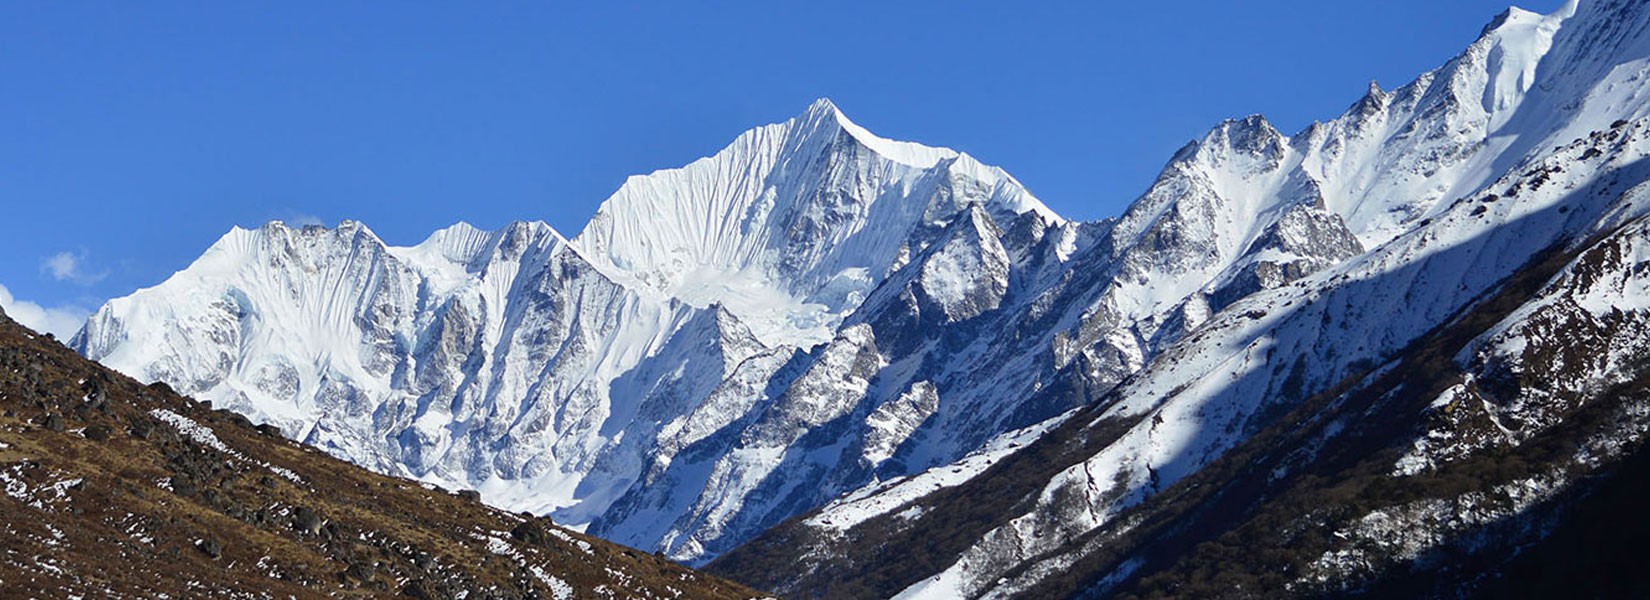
1252, 135
726, 226
346, 226
824, 107
239, 242
1513, 14
463, 243
825, 113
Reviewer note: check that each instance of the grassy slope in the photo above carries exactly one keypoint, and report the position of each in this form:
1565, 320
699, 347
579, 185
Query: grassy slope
104, 499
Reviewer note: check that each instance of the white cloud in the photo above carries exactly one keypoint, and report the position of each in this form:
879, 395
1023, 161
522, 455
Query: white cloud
297, 218
61, 321
303, 220
68, 266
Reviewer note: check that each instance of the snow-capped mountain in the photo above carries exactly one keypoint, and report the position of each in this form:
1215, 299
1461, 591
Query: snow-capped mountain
910, 346
565, 376
1470, 297
793, 224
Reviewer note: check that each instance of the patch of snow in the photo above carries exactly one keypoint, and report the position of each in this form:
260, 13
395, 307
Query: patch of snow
560, 589
195, 431
873, 501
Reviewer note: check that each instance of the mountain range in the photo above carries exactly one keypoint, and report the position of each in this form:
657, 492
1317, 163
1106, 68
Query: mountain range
830, 364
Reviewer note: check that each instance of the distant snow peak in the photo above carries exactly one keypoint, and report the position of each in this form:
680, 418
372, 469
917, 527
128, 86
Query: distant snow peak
791, 225
463, 243
907, 153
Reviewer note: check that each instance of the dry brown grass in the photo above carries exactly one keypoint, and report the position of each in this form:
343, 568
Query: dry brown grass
156, 511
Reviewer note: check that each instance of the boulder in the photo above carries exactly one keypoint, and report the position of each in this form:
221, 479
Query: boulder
96, 397
182, 486
210, 547
361, 571
530, 531
418, 588
306, 520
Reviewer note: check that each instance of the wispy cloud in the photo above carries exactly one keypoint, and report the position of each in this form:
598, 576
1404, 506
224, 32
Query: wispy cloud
60, 321
71, 267
299, 219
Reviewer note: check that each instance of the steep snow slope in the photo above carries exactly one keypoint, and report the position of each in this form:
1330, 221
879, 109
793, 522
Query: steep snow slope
506, 362
842, 416
475, 358
1243, 209
827, 213
1533, 137
792, 224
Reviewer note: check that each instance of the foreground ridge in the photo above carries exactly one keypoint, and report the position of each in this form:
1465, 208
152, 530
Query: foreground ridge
114, 489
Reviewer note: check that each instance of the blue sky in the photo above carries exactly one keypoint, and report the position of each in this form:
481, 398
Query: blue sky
132, 135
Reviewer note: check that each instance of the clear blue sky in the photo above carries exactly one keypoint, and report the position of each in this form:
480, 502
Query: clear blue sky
133, 134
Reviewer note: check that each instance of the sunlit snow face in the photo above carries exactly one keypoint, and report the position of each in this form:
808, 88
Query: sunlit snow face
792, 225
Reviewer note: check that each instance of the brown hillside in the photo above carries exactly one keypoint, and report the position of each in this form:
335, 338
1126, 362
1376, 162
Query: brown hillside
114, 489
